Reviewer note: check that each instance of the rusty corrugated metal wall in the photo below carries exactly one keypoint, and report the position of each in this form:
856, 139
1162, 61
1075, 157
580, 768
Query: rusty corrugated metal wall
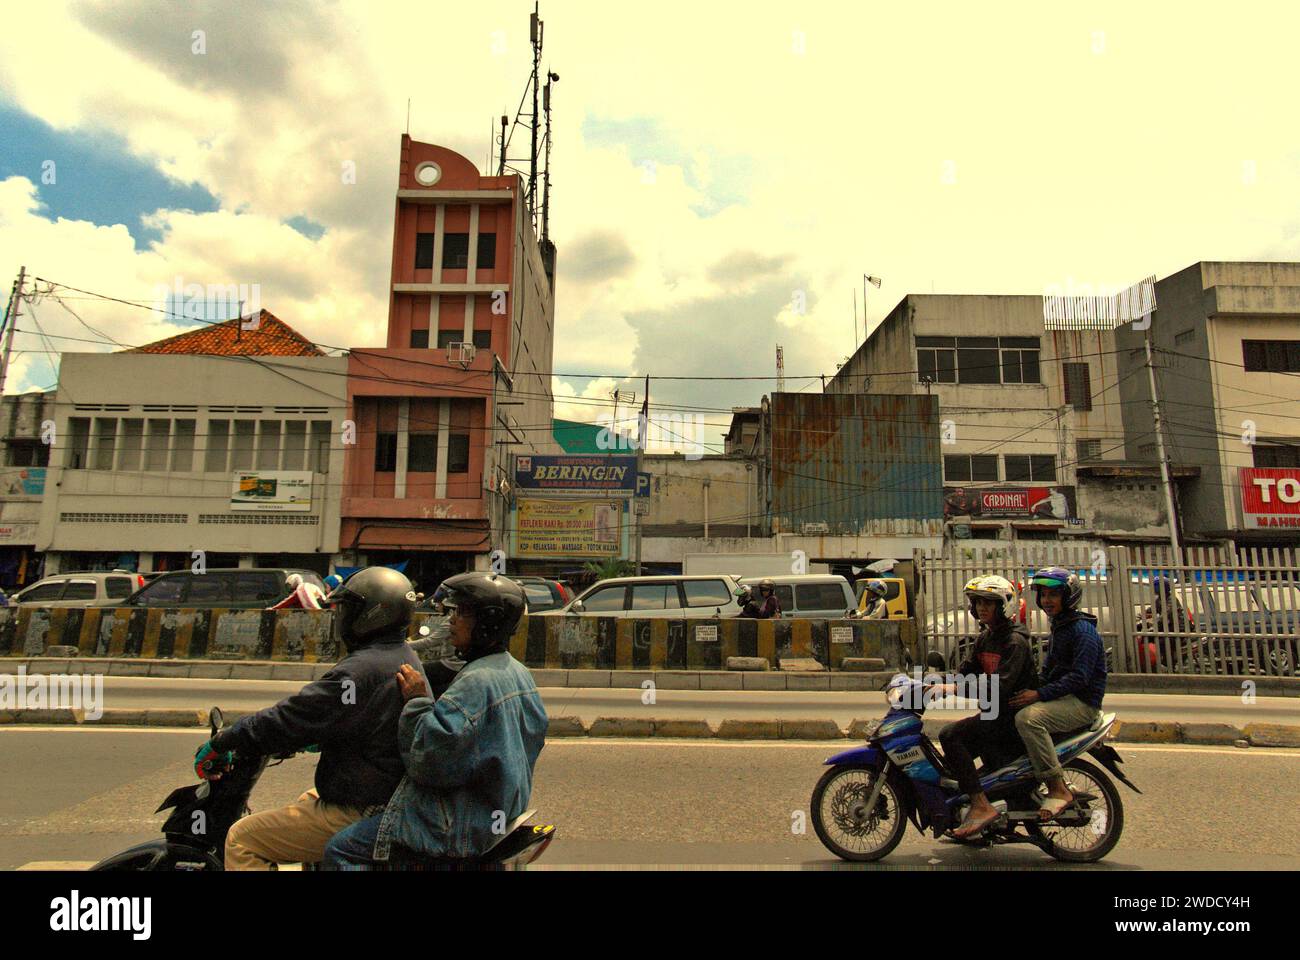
860, 464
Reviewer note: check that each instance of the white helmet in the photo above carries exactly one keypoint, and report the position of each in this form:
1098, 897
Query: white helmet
993, 587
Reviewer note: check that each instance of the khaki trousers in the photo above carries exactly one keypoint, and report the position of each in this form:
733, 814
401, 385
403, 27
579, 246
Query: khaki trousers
293, 834
1037, 722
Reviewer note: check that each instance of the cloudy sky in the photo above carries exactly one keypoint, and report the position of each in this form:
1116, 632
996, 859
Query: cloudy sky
723, 173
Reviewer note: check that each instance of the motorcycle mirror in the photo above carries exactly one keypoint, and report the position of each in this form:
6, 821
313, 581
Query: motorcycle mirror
215, 720
934, 660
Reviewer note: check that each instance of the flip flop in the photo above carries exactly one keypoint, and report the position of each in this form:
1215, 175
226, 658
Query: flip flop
1053, 807
976, 827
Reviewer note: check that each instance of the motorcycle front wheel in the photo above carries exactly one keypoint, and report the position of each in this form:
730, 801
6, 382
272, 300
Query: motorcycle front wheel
844, 825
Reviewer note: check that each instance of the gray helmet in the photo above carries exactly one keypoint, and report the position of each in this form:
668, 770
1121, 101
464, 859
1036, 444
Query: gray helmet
371, 602
496, 602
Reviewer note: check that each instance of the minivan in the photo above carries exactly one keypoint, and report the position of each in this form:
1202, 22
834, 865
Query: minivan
676, 598
80, 589
810, 596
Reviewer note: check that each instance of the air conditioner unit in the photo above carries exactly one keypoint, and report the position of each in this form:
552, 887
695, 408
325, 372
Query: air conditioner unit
460, 352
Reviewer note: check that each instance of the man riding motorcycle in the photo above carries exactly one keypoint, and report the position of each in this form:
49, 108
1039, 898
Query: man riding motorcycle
469, 754
1074, 682
351, 713
877, 608
1001, 650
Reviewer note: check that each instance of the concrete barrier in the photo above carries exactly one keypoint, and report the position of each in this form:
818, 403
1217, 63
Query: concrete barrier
549, 642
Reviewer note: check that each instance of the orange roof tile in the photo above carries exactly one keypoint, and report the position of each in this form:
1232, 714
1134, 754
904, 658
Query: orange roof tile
271, 337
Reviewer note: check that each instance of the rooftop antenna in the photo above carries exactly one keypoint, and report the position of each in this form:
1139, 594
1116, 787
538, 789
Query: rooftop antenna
780, 368
408, 116
532, 121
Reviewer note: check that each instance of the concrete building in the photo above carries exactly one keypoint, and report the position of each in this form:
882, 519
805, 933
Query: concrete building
1029, 418
24, 445
1227, 341
226, 440
464, 381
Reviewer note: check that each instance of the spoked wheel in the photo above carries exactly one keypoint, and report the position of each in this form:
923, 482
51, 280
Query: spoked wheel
1093, 832
842, 821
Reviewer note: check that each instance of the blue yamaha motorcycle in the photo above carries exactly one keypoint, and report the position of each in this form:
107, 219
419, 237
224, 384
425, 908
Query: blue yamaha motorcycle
861, 805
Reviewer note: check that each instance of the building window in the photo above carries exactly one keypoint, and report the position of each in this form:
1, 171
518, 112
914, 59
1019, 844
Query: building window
936, 359
1078, 386
483, 339
182, 460
385, 453
970, 468
295, 444
106, 438
157, 438
321, 431
487, 251
78, 455
1019, 359
28, 453
241, 453
420, 339
1035, 468
455, 251
1187, 336
1088, 450
1276, 456
458, 453
1148, 450
214, 459
1271, 356
422, 454
977, 359
1037, 533
424, 251
447, 337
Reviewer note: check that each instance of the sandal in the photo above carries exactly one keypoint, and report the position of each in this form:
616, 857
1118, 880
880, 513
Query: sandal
1052, 807
973, 828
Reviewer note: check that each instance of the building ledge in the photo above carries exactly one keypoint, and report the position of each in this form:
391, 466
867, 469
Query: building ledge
1127, 469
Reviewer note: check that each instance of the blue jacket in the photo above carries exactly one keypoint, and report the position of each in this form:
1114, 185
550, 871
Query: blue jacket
1076, 661
469, 761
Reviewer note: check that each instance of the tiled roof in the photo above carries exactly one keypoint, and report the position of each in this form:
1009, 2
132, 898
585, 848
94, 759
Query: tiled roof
271, 337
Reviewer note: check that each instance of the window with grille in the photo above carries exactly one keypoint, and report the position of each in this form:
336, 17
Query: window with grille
978, 359
970, 468
1088, 450
1019, 359
1029, 468
1078, 386
458, 453
1271, 356
422, 453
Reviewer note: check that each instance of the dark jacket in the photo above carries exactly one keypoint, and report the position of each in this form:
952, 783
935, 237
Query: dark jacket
1076, 660
1003, 650
351, 713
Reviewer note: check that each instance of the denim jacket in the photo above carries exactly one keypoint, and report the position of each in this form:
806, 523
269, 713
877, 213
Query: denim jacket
469, 759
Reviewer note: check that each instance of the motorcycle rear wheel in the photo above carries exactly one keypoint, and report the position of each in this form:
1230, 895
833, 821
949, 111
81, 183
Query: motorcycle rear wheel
843, 825
1092, 841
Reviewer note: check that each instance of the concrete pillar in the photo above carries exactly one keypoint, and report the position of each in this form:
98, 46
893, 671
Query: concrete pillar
444, 436
403, 445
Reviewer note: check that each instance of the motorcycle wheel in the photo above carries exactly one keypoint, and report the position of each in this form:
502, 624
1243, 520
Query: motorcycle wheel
1091, 841
841, 821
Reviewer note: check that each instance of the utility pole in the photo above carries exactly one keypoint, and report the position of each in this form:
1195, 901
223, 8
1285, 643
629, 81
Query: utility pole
1160, 444
11, 321
643, 431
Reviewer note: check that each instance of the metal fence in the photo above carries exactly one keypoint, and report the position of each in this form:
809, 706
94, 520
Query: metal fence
1224, 612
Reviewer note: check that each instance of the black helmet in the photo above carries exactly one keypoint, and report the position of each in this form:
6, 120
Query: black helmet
371, 602
496, 602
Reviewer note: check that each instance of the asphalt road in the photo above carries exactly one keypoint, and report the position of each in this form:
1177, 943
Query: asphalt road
78, 795
714, 705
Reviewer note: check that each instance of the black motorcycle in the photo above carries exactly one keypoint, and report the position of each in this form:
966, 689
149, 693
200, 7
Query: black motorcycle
194, 835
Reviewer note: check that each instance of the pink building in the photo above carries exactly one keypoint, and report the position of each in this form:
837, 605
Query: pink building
464, 380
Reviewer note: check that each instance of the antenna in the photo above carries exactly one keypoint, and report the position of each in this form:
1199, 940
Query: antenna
539, 138
408, 116
780, 369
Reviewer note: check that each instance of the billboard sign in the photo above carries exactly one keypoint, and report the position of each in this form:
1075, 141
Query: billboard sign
272, 491
579, 473
569, 528
1270, 497
1020, 503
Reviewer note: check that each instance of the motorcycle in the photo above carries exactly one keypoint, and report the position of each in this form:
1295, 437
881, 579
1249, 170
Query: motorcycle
861, 805
194, 834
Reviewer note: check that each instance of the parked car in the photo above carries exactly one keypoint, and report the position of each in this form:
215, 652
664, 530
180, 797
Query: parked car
236, 588
691, 598
809, 596
544, 594
80, 589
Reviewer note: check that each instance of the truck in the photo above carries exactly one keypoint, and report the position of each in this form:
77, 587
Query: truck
747, 564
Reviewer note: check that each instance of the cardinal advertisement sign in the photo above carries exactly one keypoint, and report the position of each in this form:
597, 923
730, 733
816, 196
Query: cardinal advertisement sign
1270, 497
1021, 503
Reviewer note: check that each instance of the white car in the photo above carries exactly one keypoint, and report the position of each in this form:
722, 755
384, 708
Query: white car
676, 598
